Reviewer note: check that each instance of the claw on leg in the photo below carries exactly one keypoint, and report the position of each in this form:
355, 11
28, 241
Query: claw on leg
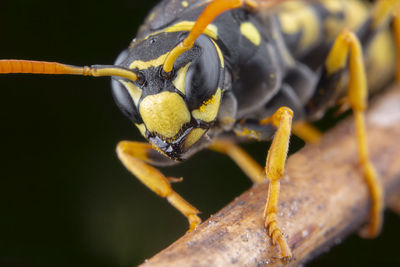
376, 218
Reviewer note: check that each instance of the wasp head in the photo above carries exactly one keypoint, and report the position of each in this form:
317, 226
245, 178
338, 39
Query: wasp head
172, 110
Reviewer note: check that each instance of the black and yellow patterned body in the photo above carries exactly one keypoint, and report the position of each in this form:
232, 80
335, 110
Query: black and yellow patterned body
207, 74
250, 73
271, 58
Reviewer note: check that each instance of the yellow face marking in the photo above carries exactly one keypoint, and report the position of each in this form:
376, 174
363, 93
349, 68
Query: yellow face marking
193, 137
164, 113
250, 31
179, 81
142, 65
185, 4
133, 90
209, 109
142, 128
211, 30
221, 57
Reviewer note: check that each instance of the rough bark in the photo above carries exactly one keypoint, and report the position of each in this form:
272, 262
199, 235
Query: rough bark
323, 199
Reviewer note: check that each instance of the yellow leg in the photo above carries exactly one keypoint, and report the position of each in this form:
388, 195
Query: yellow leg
307, 132
347, 46
249, 166
275, 165
396, 28
134, 156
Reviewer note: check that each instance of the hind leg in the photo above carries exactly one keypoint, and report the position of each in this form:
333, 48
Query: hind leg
347, 50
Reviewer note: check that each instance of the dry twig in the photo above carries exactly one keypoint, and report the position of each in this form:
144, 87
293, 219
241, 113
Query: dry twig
323, 198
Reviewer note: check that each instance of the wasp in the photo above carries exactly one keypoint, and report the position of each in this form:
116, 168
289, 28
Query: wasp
210, 74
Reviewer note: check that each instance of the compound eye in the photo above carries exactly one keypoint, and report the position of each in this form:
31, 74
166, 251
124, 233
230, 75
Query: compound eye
124, 101
203, 75
121, 57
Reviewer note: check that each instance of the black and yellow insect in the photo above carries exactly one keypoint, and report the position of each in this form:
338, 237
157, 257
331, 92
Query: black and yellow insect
251, 72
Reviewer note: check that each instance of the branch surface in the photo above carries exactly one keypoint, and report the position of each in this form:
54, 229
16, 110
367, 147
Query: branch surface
323, 199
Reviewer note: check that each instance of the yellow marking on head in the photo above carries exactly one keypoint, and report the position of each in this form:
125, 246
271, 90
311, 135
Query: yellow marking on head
209, 109
134, 91
221, 57
185, 4
211, 30
250, 31
179, 81
164, 113
142, 128
142, 65
193, 137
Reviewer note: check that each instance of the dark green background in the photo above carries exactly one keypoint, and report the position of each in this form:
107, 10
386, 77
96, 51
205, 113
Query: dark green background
65, 200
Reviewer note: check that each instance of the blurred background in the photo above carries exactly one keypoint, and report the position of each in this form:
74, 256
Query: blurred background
65, 199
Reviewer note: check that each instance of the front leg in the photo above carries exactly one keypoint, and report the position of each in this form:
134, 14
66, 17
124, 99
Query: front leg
274, 168
134, 156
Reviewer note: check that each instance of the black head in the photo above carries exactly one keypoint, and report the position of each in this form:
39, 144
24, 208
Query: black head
172, 110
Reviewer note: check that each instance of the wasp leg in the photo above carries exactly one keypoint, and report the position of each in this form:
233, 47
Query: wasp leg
347, 46
134, 156
307, 132
396, 28
248, 165
274, 168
